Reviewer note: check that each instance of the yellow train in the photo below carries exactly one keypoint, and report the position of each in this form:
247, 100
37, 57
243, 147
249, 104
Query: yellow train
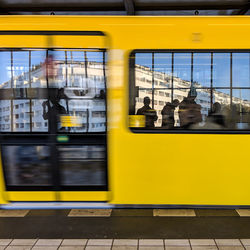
124, 111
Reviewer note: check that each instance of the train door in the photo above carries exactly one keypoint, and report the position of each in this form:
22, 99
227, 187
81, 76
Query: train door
53, 116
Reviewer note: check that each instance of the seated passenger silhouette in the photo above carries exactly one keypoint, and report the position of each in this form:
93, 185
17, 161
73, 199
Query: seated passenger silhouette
189, 110
216, 115
168, 114
215, 119
150, 114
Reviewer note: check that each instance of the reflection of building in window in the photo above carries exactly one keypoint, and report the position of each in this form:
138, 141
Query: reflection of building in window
159, 97
85, 97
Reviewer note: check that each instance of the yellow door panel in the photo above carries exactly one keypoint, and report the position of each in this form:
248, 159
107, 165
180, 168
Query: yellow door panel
58, 41
52, 42
52, 196
86, 42
31, 196
27, 41
83, 196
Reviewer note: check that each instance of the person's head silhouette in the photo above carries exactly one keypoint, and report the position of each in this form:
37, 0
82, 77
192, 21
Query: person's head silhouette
176, 102
146, 101
216, 107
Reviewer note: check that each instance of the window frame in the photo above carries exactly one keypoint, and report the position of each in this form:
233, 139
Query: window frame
132, 81
47, 49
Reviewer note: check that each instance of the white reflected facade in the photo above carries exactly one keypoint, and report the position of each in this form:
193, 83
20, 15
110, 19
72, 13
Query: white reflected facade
83, 96
162, 93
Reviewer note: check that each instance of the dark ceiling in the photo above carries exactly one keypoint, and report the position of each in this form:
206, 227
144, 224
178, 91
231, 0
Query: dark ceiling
126, 7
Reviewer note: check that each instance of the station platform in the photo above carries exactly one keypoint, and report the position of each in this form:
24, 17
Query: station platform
96, 229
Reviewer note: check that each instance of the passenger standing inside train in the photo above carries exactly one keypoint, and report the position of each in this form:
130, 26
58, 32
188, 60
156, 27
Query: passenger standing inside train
168, 114
189, 110
149, 113
52, 109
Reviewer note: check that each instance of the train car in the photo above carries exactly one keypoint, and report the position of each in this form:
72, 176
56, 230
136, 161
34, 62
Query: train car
124, 111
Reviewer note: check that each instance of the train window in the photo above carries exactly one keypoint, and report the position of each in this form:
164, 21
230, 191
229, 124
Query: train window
192, 90
50, 90
30, 167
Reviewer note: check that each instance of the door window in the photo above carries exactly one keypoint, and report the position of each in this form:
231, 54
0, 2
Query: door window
46, 96
58, 90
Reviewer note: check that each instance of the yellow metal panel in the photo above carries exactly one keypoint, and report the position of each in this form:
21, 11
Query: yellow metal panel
31, 196
40, 41
57, 196
163, 168
3, 193
19, 41
185, 169
83, 196
174, 168
86, 42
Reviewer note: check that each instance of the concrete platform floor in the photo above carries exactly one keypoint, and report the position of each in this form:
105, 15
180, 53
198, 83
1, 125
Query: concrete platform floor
124, 244
125, 224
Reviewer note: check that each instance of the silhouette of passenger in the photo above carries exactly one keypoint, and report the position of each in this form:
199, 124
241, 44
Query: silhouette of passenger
168, 114
149, 113
52, 113
215, 116
189, 110
102, 94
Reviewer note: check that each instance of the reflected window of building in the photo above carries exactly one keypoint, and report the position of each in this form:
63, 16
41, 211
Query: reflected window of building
189, 90
202, 69
221, 69
182, 69
241, 70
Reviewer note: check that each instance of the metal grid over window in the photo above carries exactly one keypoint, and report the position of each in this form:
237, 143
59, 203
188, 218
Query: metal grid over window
191, 90
31, 84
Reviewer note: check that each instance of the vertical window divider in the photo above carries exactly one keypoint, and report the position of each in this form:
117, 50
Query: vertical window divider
86, 76
86, 64
172, 78
87, 127
66, 68
192, 67
46, 70
103, 68
231, 80
211, 80
47, 84
30, 101
66, 75
153, 80
104, 79
71, 61
12, 85
29, 68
